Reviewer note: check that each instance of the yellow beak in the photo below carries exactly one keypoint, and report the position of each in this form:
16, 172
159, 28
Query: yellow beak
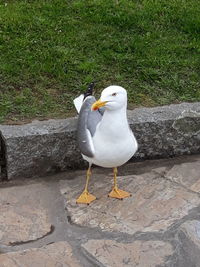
98, 104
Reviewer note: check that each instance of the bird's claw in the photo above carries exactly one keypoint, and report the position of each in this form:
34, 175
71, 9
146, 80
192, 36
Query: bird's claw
85, 198
118, 193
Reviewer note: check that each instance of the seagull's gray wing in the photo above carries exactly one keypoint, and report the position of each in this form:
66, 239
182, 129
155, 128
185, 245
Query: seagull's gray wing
87, 123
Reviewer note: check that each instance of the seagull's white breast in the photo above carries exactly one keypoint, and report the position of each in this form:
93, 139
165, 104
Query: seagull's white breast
114, 153
114, 143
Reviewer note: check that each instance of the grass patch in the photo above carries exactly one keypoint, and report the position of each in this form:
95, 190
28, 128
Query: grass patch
51, 50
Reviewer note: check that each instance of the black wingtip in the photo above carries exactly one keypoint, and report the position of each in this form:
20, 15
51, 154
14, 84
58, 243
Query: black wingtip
89, 90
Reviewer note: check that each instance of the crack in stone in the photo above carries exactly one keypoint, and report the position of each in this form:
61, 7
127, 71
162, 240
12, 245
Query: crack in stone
92, 259
18, 243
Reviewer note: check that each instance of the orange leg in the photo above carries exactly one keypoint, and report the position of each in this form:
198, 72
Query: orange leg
86, 197
117, 193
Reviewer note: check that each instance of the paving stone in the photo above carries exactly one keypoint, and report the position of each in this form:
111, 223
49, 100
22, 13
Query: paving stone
139, 253
187, 174
189, 236
23, 216
192, 230
53, 255
156, 203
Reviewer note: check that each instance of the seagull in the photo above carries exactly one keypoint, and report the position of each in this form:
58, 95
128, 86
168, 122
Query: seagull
103, 134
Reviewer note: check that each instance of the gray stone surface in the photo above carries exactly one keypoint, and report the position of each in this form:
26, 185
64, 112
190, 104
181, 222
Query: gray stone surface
53, 255
2, 161
139, 253
165, 212
189, 234
167, 131
41, 148
23, 216
186, 174
45, 147
155, 204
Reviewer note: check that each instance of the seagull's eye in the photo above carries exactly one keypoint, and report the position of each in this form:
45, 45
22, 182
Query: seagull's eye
114, 94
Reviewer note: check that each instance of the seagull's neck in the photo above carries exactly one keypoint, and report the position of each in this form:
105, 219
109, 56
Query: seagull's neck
114, 114
115, 120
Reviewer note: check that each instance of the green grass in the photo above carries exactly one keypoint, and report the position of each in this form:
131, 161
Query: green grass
51, 49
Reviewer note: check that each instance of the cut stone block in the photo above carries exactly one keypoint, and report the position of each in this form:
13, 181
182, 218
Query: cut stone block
43, 147
40, 148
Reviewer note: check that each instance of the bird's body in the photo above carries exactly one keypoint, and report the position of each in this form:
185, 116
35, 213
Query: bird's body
113, 141
104, 137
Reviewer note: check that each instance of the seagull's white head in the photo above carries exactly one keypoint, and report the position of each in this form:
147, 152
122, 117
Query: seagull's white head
113, 97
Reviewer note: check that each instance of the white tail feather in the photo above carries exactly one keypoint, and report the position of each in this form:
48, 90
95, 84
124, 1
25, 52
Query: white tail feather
78, 102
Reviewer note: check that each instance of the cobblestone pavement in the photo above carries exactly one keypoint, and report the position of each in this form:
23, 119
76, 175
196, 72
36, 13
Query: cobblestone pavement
41, 224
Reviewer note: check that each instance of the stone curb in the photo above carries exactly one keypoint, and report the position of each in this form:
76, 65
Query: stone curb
44, 147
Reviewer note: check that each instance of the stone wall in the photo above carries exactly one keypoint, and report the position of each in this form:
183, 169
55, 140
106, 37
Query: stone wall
3, 174
44, 147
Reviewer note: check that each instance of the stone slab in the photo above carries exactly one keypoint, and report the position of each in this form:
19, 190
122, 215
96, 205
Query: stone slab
187, 174
23, 215
53, 255
156, 203
189, 235
40, 148
192, 230
167, 131
139, 253
46, 147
